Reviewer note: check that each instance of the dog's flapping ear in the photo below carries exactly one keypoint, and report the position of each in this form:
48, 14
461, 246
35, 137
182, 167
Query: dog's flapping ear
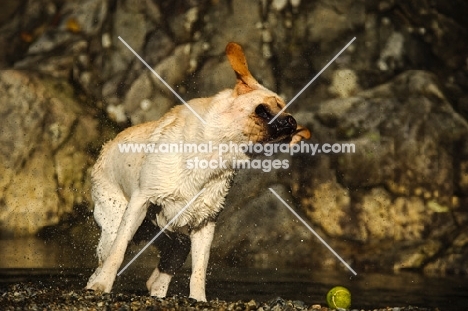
245, 81
300, 134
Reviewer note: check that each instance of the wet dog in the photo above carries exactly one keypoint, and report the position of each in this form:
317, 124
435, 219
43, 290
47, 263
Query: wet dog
126, 184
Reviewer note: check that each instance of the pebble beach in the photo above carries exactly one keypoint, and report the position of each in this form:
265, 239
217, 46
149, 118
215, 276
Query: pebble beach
37, 296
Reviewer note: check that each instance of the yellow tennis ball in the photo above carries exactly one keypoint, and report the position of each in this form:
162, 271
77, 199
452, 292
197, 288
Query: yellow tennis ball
339, 297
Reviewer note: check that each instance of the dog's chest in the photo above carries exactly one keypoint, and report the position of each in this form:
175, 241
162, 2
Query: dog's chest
176, 199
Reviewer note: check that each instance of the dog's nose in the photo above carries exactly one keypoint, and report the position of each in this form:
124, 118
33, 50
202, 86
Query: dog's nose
291, 122
287, 125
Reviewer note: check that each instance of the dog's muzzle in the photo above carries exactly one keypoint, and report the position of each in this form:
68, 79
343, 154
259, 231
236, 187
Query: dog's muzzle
283, 126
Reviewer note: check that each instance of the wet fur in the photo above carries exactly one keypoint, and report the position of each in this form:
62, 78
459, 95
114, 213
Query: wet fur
125, 185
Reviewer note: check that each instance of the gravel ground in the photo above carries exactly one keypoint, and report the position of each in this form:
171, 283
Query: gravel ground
37, 296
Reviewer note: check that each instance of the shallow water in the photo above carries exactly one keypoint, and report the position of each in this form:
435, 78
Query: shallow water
66, 265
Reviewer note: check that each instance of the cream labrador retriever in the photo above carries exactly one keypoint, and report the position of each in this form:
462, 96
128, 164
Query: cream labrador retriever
129, 186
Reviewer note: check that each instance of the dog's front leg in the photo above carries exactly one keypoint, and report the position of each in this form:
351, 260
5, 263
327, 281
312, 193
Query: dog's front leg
201, 244
132, 219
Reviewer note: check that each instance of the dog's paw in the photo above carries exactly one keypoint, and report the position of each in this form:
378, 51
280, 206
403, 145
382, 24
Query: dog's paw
101, 283
158, 286
97, 287
199, 297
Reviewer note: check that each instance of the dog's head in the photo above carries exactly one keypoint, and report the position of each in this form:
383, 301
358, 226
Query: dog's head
256, 108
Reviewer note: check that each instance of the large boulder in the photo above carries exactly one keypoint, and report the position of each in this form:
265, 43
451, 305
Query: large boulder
401, 192
45, 139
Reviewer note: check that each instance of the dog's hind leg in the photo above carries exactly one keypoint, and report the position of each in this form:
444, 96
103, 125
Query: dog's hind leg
109, 207
173, 250
131, 220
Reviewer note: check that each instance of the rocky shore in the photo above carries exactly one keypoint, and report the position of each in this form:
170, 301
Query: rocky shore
38, 296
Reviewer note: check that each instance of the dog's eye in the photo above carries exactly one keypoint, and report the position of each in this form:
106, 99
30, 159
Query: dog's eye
262, 112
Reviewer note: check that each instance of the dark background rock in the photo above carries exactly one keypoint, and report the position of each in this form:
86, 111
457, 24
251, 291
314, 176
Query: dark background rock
399, 93
399, 189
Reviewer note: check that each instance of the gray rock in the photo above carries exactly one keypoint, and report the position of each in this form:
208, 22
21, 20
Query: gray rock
44, 162
391, 57
172, 69
88, 14
400, 178
260, 230
131, 27
140, 90
214, 76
